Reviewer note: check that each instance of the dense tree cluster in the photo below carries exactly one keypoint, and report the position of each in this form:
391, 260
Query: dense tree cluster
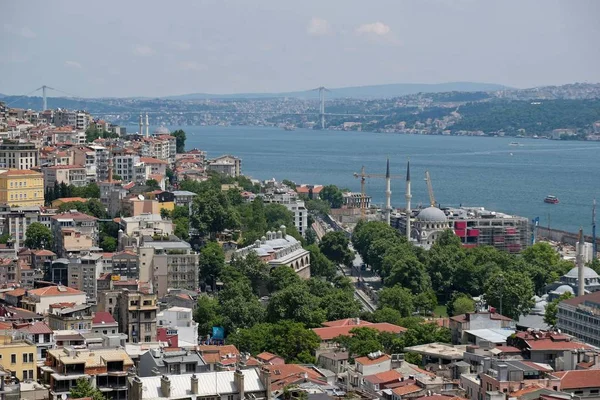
179, 140
332, 195
38, 236
447, 268
62, 190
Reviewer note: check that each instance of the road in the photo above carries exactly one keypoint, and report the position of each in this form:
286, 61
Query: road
365, 301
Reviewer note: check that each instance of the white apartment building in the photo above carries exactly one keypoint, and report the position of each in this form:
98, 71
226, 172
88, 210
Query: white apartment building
291, 202
182, 319
18, 155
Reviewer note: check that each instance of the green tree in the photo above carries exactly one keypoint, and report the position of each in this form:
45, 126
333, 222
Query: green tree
211, 260
340, 304
319, 264
152, 184
295, 303
38, 236
595, 265
179, 140
443, 260
212, 213
182, 228
255, 270
56, 190
109, 244
425, 302
5, 238
207, 314
282, 277
409, 273
289, 184
333, 195
239, 307
83, 389
164, 213
397, 298
511, 288
462, 305
551, 313
362, 342
310, 236
334, 245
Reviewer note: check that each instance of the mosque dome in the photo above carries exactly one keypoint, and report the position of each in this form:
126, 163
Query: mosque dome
563, 289
432, 214
162, 130
588, 273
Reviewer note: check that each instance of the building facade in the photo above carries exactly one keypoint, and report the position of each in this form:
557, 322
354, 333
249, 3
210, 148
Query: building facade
21, 188
18, 155
137, 316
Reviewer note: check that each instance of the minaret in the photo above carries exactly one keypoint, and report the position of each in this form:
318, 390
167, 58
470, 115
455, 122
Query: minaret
408, 196
388, 193
147, 127
141, 125
580, 266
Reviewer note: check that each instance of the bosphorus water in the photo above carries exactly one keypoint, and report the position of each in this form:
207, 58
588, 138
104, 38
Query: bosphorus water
473, 171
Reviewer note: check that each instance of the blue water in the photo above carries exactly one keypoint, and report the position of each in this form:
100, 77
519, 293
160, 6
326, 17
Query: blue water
471, 171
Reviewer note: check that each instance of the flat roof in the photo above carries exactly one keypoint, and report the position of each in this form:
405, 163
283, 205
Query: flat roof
440, 350
491, 335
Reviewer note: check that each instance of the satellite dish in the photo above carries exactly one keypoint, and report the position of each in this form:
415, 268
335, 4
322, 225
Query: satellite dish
141, 196
63, 396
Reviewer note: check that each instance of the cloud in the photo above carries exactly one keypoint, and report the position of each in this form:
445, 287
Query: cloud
182, 46
142, 50
24, 31
318, 27
72, 64
191, 66
376, 28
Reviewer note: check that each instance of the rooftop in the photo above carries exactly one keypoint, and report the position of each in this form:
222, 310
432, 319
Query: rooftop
91, 357
103, 317
209, 384
366, 360
328, 333
54, 291
578, 379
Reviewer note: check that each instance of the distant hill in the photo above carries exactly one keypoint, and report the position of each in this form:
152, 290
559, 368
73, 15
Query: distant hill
372, 91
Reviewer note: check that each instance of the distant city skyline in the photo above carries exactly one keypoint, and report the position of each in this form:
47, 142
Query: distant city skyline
151, 48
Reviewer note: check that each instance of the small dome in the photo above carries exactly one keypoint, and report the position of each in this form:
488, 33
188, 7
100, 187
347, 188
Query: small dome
432, 214
563, 289
162, 130
588, 273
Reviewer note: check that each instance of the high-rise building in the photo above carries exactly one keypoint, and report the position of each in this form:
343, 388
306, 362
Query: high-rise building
136, 314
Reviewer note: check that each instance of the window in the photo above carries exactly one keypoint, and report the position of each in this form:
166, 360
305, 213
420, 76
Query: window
13, 358
147, 339
147, 315
24, 357
148, 326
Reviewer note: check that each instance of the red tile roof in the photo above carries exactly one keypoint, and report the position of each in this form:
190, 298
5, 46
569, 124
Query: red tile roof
44, 252
37, 328
370, 361
152, 160
575, 301
77, 216
328, 333
16, 292
579, 379
265, 356
384, 377
402, 390
346, 322
467, 317
17, 172
54, 291
103, 317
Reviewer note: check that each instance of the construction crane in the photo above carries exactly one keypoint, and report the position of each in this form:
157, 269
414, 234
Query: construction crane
430, 189
363, 178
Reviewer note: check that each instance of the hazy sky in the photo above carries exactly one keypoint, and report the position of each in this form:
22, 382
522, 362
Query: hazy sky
156, 48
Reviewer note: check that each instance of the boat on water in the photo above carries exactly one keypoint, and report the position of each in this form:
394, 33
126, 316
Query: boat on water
551, 199
514, 144
289, 127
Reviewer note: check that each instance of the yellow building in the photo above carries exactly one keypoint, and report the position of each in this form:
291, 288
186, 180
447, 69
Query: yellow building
21, 187
19, 357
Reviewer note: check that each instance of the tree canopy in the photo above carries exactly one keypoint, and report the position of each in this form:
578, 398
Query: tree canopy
38, 236
332, 195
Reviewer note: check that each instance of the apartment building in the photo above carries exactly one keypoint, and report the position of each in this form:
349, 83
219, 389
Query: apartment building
39, 300
75, 175
180, 319
580, 317
105, 369
168, 262
74, 232
158, 362
226, 165
16, 220
21, 188
19, 356
83, 273
70, 316
18, 155
137, 316
40, 334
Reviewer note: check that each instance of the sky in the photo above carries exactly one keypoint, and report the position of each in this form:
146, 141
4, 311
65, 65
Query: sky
154, 48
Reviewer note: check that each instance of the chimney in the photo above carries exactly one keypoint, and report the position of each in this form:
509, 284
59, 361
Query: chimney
265, 378
165, 386
136, 389
194, 384
238, 380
